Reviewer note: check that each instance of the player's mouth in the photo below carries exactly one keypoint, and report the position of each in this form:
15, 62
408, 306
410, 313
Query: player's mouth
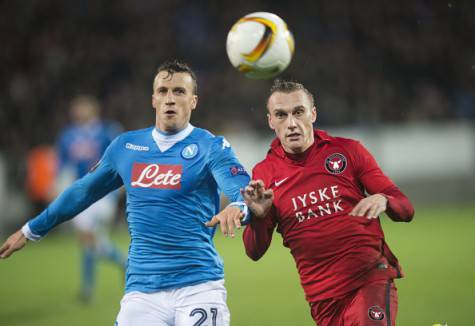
170, 112
293, 136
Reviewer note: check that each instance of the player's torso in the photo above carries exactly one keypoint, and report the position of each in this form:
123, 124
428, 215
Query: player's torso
323, 187
175, 183
178, 170
312, 203
170, 194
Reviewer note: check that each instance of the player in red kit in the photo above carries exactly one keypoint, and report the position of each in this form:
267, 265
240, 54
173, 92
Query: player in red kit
324, 194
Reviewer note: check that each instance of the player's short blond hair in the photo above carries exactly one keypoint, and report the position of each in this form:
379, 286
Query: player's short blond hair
289, 86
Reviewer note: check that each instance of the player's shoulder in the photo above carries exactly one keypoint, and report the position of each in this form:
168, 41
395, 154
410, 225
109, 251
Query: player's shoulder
112, 126
266, 167
68, 130
137, 137
207, 137
138, 133
202, 134
338, 141
262, 165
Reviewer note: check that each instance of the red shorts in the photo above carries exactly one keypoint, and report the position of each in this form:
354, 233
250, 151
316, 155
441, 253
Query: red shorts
373, 304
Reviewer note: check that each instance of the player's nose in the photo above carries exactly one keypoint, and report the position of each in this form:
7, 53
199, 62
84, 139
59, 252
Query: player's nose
291, 123
170, 98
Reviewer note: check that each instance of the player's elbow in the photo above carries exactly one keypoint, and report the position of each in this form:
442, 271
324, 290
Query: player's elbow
405, 216
256, 246
254, 254
253, 250
410, 215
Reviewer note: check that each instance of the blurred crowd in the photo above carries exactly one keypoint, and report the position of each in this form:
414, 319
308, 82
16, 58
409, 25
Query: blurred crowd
368, 62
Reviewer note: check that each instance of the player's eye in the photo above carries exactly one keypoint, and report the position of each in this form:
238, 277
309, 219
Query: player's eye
162, 90
299, 113
179, 91
280, 115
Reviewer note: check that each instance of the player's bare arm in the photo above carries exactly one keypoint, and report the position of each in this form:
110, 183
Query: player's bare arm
14, 243
228, 219
371, 206
258, 199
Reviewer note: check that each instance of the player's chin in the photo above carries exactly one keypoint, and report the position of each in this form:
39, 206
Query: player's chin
296, 147
169, 116
170, 125
294, 143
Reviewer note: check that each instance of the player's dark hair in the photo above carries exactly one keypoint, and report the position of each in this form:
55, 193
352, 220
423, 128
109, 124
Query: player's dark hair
289, 86
175, 66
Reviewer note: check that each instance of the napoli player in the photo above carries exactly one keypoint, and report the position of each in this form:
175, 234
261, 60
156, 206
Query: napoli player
80, 146
324, 194
173, 173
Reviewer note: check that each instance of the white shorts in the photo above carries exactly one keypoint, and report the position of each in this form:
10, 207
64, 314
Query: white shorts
96, 216
197, 305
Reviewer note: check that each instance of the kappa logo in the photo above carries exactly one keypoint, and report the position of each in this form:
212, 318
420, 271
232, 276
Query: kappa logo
375, 313
137, 147
190, 151
278, 183
335, 163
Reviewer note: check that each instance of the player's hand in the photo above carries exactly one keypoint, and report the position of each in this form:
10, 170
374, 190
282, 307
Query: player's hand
14, 243
258, 199
228, 219
370, 206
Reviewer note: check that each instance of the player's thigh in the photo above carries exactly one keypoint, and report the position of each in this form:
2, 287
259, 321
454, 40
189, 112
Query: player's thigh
96, 217
330, 312
85, 221
106, 208
373, 304
143, 309
203, 305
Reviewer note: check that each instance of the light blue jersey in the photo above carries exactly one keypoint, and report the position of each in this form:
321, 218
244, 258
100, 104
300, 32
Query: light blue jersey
170, 195
80, 146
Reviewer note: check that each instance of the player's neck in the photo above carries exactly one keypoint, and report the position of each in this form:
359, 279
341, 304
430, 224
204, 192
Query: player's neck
172, 132
161, 135
299, 155
300, 150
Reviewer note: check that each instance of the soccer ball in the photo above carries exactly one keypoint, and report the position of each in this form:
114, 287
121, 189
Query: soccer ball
260, 45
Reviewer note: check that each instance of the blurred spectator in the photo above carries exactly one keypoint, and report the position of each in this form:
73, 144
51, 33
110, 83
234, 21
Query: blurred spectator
80, 147
41, 176
364, 61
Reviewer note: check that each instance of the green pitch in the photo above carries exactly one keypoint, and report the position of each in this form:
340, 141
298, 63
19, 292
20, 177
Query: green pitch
38, 286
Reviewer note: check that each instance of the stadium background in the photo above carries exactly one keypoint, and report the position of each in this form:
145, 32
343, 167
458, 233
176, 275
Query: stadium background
399, 75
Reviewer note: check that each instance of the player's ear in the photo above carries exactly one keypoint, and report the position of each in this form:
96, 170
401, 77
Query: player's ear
269, 121
153, 102
194, 102
314, 114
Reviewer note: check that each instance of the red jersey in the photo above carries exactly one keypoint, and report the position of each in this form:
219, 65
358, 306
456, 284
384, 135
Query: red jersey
314, 192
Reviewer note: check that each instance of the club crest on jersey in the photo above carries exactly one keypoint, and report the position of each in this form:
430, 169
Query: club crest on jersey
335, 163
145, 175
375, 313
190, 151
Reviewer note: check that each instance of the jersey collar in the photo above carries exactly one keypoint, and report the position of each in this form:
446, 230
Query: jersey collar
320, 137
165, 141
